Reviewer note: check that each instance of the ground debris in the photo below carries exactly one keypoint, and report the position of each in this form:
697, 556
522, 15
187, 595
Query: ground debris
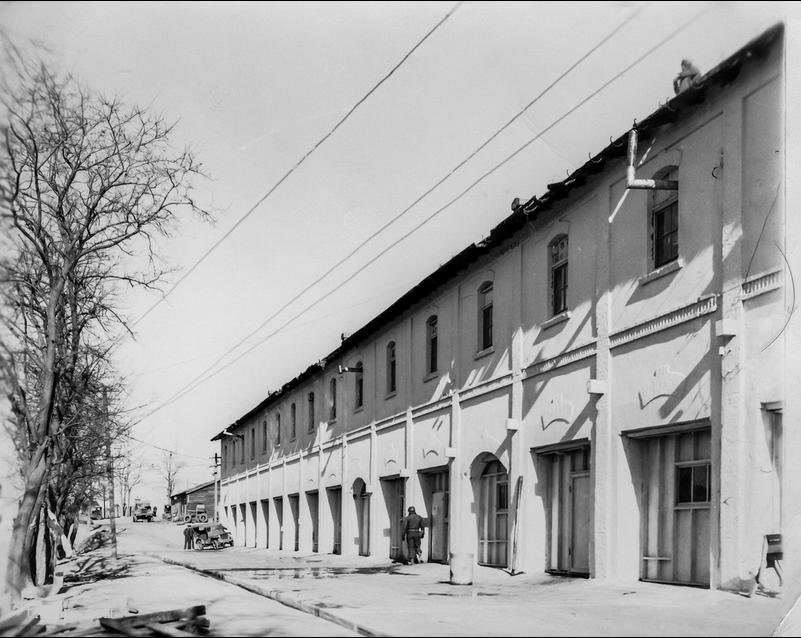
190, 621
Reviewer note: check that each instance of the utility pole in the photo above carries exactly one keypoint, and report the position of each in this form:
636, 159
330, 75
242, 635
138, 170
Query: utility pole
110, 470
216, 502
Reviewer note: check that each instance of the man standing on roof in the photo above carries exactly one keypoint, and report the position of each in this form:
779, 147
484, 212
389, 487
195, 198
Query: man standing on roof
412, 531
689, 75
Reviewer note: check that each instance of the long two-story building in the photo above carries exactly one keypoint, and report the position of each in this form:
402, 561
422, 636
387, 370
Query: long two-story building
597, 388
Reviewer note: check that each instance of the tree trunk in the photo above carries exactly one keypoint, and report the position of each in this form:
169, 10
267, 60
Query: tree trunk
18, 573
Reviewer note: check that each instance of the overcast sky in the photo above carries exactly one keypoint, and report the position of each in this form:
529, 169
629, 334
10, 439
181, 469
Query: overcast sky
254, 86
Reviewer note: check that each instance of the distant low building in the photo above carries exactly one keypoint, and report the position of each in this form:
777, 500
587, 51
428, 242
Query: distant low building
188, 500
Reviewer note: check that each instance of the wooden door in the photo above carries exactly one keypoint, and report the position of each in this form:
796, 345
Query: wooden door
294, 509
439, 526
335, 505
394, 494
279, 515
314, 504
676, 507
493, 515
580, 524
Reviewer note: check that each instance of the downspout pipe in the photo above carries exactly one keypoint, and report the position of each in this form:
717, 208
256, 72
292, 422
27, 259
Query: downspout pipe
644, 184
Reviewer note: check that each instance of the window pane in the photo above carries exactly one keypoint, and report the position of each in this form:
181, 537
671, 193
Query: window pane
685, 484
486, 334
700, 484
432, 364
503, 496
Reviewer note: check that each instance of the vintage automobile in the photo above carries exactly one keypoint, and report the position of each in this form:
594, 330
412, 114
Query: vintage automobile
210, 536
142, 511
198, 516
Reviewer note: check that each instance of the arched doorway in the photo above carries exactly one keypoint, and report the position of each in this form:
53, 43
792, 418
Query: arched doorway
493, 512
362, 501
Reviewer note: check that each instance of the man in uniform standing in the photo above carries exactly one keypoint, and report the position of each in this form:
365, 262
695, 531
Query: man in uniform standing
187, 537
412, 532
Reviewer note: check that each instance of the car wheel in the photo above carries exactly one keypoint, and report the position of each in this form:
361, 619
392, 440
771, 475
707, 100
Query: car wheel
202, 518
198, 544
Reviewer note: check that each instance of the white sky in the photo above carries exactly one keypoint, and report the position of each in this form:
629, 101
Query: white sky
255, 85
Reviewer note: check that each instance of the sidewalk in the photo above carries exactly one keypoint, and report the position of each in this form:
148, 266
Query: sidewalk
374, 596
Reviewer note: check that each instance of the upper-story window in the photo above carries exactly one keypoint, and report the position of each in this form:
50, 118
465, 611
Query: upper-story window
242, 449
558, 258
293, 422
278, 428
431, 344
311, 412
359, 389
485, 316
253, 443
224, 459
663, 220
332, 399
264, 435
391, 368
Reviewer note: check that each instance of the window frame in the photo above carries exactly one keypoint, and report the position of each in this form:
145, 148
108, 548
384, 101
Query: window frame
392, 369
293, 421
692, 465
662, 208
358, 389
558, 268
278, 428
486, 327
311, 415
332, 399
432, 345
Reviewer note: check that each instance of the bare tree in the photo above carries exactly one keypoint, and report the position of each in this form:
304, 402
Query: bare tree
86, 186
129, 472
169, 472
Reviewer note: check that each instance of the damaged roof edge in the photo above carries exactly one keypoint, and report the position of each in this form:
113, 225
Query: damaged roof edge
722, 74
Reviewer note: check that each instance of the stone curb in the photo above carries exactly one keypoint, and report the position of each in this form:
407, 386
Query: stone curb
277, 595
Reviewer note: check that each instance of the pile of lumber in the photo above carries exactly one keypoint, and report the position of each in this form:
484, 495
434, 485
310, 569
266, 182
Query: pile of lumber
191, 621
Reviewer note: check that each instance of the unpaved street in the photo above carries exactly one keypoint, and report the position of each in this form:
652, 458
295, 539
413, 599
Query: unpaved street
147, 584
380, 597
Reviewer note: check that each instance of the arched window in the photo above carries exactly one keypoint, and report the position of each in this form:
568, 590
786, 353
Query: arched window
293, 422
278, 428
431, 344
242, 449
359, 389
391, 368
558, 260
332, 399
311, 412
264, 435
485, 315
663, 220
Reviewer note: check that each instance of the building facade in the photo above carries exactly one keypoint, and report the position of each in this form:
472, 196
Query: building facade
597, 388
186, 502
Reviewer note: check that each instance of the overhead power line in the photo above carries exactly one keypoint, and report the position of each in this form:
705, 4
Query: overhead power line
427, 192
294, 167
200, 379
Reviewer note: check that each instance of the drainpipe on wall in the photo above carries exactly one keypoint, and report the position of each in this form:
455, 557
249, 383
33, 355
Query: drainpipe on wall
644, 184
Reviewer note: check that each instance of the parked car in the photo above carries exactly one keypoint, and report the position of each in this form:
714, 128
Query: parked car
198, 516
142, 512
210, 536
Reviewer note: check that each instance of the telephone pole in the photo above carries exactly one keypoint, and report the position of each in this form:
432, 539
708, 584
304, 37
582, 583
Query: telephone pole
216, 518
110, 471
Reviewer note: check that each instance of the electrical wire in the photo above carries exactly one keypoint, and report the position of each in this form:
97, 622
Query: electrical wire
294, 167
200, 379
427, 192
